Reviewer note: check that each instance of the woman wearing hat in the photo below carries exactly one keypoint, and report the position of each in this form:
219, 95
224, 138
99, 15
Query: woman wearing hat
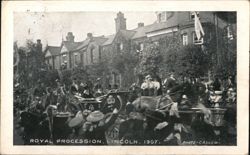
96, 125
148, 86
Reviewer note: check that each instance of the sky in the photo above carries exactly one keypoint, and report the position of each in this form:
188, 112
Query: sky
52, 27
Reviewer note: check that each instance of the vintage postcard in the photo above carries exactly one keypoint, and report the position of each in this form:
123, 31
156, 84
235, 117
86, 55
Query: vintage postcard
143, 77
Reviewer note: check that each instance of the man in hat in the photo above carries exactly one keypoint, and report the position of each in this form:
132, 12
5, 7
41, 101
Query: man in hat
39, 89
98, 85
185, 103
171, 82
74, 87
87, 92
95, 126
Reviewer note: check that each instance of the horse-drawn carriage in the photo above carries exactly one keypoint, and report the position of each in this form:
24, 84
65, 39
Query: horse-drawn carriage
149, 110
64, 125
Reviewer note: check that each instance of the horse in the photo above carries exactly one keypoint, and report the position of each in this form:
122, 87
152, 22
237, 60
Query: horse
163, 108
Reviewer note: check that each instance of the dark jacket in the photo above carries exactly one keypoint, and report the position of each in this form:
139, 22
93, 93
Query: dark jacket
98, 133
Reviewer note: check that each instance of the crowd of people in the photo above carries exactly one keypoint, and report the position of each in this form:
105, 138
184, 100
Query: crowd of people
212, 93
187, 92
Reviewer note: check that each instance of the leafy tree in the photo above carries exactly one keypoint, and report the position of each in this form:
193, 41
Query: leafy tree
31, 66
150, 59
124, 63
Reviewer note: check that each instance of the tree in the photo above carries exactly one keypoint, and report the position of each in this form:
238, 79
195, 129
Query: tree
31, 66
124, 63
150, 59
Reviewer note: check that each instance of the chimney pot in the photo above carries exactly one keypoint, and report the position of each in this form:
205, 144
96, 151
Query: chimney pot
70, 37
89, 35
140, 24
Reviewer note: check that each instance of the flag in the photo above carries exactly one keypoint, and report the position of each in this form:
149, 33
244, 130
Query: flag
198, 27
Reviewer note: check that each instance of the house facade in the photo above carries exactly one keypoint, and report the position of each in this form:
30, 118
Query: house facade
94, 49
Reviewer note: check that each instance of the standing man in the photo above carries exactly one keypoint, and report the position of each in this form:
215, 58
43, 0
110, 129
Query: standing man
98, 84
171, 82
74, 87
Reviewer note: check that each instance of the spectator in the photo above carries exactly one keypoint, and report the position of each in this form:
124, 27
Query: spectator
96, 125
217, 84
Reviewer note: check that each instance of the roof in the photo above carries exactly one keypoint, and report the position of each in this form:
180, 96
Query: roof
72, 45
109, 40
82, 45
54, 50
142, 31
128, 34
100, 40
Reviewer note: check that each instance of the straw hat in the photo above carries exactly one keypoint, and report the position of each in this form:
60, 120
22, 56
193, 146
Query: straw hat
77, 120
95, 116
148, 77
184, 96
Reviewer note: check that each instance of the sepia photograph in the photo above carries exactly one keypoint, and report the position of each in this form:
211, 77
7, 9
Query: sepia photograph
110, 77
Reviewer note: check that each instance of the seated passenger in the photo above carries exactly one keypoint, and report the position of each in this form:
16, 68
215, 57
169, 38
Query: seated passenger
87, 93
148, 86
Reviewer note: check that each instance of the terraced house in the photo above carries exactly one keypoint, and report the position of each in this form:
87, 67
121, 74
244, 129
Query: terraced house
93, 49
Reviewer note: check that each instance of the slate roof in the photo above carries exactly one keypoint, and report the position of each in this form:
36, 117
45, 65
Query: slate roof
54, 50
109, 40
100, 40
136, 33
142, 31
72, 45
82, 45
128, 34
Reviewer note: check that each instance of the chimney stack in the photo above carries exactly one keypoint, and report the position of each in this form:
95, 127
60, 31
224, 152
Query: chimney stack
140, 24
39, 45
70, 37
89, 35
120, 22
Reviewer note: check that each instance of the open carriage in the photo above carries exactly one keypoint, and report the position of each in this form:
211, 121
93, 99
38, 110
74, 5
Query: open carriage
59, 125
188, 116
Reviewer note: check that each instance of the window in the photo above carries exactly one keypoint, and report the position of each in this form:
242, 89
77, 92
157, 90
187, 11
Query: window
185, 39
75, 55
195, 39
64, 57
229, 33
162, 17
91, 55
100, 54
119, 47
159, 17
141, 46
192, 15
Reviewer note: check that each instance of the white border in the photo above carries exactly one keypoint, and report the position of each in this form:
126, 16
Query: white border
242, 8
